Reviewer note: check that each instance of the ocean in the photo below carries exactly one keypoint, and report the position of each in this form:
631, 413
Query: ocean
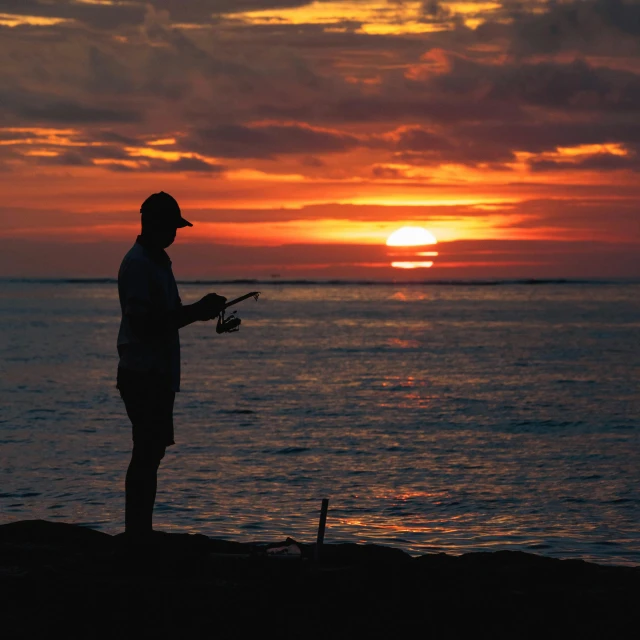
436, 418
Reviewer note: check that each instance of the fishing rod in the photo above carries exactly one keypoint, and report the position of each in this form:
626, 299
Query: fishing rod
232, 323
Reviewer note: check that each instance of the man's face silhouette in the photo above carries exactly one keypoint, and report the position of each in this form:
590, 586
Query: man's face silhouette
166, 236
162, 236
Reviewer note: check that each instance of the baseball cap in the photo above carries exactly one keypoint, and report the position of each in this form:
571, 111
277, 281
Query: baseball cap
163, 208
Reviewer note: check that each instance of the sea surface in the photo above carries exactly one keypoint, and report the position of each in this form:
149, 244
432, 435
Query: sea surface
449, 418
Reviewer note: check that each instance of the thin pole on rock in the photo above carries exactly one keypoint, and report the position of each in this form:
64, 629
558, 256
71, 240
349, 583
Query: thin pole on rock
321, 526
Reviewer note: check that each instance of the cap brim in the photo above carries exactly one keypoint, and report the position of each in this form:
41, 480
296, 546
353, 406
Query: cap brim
184, 223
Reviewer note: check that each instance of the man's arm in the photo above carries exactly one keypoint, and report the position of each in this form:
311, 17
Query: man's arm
147, 323
205, 309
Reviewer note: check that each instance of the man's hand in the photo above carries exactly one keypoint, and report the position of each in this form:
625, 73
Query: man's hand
210, 306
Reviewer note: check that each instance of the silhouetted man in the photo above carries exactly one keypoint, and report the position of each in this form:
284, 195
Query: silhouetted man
149, 349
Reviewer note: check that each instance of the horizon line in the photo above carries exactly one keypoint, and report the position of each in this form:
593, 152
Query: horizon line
346, 282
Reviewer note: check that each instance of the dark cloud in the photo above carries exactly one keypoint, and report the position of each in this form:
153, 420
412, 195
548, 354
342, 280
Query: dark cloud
312, 161
543, 136
190, 164
68, 159
183, 165
584, 25
107, 75
63, 112
20, 218
385, 173
414, 143
29, 107
595, 162
573, 86
96, 16
269, 141
112, 137
217, 83
132, 12
435, 9
197, 10
426, 109
16, 135
85, 156
120, 160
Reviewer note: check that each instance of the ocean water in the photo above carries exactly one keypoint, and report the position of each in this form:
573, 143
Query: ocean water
435, 418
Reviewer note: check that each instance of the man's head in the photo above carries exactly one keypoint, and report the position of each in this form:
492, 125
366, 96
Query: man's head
160, 218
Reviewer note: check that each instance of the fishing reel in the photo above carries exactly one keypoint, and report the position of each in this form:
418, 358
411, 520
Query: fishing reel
232, 323
228, 325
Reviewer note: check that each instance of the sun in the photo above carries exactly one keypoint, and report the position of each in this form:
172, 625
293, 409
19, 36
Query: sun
411, 237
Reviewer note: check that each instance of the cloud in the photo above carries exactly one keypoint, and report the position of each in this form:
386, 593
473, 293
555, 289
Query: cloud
110, 136
424, 145
435, 9
589, 26
543, 136
575, 86
94, 15
156, 165
596, 162
65, 112
106, 74
26, 107
407, 107
188, 164
386, 173
111, 16
103, 149
268, 141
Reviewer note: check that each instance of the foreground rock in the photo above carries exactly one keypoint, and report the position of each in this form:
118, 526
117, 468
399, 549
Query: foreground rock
58, 579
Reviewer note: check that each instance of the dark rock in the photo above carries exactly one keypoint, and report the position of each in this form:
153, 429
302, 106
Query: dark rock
346, 554
43, 533
58, 579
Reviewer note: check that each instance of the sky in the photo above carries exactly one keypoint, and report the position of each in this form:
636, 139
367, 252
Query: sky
298, 136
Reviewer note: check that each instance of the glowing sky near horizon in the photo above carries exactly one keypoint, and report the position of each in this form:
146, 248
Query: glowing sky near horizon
297, 138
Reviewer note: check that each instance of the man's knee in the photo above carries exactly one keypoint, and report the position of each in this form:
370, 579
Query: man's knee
148, 454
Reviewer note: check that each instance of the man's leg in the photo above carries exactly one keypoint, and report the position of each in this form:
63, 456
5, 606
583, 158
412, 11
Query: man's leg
140, 488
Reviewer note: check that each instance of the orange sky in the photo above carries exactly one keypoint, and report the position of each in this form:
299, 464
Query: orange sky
297, 136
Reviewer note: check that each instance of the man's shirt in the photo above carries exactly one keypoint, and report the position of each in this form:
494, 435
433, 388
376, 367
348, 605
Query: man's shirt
146, 285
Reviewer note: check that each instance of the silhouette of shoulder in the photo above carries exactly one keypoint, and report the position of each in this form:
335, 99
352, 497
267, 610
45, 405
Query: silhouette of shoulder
137, 258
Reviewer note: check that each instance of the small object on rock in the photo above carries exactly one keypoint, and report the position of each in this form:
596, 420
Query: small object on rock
290, 549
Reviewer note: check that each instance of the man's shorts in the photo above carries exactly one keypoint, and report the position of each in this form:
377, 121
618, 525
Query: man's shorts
148, 399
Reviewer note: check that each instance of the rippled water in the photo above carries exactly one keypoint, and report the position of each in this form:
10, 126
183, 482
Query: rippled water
450, 418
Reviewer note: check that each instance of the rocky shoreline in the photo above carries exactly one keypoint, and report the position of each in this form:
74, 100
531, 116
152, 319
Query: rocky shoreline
65, 579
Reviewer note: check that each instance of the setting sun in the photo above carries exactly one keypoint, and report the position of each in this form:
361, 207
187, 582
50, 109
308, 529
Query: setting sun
411, 237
